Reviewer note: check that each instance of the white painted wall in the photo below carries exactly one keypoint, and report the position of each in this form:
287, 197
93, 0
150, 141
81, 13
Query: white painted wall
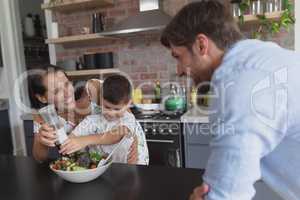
26, 6
3, 84
297, 26
3, 80
14, 65
52, 48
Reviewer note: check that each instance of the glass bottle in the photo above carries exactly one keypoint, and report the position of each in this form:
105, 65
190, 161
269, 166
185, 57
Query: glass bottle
256, 7
50, 116
157, 92
193, 97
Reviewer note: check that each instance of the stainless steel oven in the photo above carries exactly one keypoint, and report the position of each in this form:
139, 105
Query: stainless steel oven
164, 140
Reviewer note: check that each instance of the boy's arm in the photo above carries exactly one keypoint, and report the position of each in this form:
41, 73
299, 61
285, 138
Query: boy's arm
76, 143
110, 137
94, 90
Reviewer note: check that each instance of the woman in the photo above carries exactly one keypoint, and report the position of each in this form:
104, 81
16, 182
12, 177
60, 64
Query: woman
52, 86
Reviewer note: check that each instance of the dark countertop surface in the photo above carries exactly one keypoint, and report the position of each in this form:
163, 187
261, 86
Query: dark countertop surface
4, 104
23, 179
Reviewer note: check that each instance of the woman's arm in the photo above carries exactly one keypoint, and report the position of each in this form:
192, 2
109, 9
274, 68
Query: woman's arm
43, 140
133, 152
44, 137
39, 151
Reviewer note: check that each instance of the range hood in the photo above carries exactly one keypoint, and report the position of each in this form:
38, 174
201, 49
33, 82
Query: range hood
150, 18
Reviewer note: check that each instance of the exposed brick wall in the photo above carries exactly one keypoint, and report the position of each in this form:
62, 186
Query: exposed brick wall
142, 57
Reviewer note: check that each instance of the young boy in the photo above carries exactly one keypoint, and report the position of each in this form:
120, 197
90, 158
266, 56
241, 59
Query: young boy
117, 123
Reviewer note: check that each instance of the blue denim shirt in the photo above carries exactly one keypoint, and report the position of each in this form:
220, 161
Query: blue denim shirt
256, 122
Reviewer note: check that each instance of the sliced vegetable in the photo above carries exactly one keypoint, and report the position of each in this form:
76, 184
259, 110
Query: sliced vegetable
78, 161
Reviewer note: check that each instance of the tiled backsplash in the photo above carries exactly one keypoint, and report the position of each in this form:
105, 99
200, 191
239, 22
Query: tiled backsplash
142, 57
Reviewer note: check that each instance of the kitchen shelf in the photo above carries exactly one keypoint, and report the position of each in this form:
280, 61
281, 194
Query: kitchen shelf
116, 35
80, 39
253, 18
76, 5
92, 72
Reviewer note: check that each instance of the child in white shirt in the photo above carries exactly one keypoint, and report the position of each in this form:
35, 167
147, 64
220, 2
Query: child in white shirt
104, 131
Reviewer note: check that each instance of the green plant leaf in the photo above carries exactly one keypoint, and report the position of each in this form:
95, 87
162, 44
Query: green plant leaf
268, 25
275, 28
241, 19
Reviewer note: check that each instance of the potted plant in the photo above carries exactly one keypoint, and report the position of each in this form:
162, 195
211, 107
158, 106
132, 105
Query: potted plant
265, 25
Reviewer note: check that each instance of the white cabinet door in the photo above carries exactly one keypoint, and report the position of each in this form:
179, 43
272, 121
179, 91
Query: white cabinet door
197, 133
197, 156
263, 192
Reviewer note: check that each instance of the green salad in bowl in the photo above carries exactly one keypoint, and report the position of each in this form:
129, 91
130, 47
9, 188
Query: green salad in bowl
78, 161
80, 167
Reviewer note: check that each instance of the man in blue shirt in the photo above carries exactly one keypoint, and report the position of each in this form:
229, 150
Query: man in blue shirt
255, 110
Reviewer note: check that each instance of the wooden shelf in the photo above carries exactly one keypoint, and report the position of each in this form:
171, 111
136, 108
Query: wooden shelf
92, 72
80, 39
76, 5
253, 18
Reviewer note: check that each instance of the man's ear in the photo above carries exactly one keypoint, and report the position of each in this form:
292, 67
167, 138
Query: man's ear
202, 44
42, 99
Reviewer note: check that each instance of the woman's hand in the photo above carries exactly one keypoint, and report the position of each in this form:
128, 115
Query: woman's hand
73, 144
47, 136
133, 152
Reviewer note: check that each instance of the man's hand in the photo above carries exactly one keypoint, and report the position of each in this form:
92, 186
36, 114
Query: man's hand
73, 144
200, 192
133, 152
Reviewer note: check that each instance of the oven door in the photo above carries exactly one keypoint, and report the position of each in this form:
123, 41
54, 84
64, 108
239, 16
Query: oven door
163, 140
164, 152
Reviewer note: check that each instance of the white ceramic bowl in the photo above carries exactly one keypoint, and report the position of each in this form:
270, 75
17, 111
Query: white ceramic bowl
81, 176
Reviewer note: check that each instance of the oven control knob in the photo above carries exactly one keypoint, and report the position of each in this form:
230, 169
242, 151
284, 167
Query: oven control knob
170, 131
161, 130
154, 130
146, 130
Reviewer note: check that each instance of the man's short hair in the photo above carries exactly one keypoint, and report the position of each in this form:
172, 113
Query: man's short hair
209, 17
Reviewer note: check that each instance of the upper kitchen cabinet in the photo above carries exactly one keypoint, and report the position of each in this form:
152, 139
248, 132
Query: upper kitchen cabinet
75, 5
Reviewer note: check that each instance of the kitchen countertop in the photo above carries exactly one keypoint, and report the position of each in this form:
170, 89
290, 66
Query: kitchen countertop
194, 116
191, 116
22, 178
26, 117
159, 120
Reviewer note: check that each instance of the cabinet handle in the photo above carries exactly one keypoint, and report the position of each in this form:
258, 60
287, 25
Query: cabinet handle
161, 141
